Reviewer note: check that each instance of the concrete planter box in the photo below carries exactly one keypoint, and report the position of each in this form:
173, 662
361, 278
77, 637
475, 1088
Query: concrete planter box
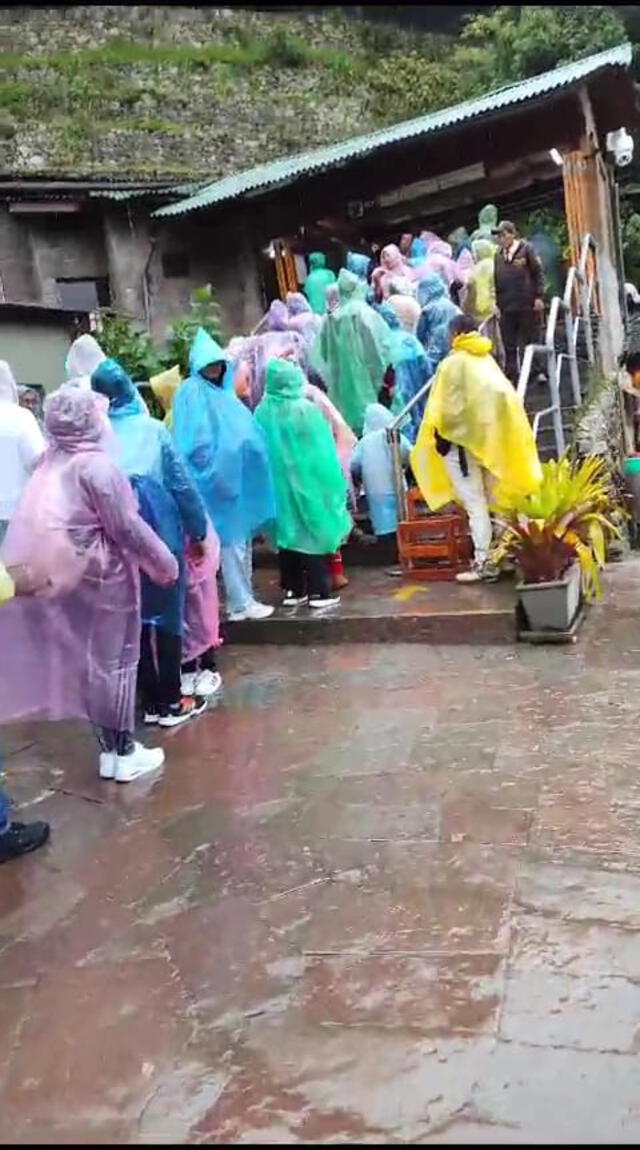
552, 606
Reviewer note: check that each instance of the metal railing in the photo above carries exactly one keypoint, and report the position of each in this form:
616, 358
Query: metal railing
578, 294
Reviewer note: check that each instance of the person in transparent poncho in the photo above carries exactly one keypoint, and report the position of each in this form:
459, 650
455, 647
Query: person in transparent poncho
311, 519
372, 464
74, 645
226, 457
172, 506
438, 310
352, 352
316, 283
16, 838
411, 369
21, 445
84, 356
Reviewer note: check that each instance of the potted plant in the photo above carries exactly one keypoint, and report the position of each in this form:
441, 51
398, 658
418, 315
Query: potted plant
557, 540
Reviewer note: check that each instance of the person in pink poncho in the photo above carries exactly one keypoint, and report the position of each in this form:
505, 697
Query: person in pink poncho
394, 267
71, 650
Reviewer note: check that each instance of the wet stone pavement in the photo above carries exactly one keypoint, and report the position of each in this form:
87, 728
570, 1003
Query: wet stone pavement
381, 893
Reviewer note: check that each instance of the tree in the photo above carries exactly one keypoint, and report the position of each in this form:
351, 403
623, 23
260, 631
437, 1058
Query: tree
511, 44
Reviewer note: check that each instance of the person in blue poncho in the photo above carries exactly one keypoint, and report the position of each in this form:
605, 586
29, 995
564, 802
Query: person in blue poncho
226, 457
170, 504
434, 324
411, 366
372, 464
359, 265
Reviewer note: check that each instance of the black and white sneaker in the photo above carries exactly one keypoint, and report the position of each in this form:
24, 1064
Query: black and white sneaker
183, 711
318, 604
291, 600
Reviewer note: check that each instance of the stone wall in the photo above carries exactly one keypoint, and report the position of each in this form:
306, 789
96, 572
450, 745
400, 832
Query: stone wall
142, 90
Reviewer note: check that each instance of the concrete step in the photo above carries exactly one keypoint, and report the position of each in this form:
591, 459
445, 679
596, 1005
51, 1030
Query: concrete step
376, 608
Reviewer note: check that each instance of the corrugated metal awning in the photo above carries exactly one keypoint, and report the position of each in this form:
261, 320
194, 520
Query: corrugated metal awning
290, 168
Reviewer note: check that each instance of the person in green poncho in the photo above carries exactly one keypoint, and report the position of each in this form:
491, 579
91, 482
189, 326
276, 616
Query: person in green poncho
311, 520
353, 352
317, 282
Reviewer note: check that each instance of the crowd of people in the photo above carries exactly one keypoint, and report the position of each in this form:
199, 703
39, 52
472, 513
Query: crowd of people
114, 525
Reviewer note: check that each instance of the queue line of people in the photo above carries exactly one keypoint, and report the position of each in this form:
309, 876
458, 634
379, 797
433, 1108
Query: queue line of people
112, 548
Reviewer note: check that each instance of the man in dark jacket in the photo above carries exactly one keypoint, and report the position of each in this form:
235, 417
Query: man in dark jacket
519, 280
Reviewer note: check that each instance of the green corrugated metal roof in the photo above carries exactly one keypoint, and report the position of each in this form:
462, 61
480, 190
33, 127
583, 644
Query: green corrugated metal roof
290, 167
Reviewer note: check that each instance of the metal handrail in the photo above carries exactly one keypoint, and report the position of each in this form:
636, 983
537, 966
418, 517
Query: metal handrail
578, 282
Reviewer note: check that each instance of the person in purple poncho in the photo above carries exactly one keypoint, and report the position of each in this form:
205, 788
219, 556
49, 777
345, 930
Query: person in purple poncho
73, 646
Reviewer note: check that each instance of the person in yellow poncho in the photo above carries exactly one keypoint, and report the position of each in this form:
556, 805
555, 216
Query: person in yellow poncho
475, 432
164, 387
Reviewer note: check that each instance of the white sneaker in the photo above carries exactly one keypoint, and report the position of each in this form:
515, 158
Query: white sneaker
253, 611
107, 764
317, 603
479, 573
188, 684
208, 683
473, 575
290, 600
141, 761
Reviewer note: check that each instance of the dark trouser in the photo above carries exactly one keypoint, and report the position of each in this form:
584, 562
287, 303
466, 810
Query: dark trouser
518, 328
159, 669
204, 662
119, 741
304, 574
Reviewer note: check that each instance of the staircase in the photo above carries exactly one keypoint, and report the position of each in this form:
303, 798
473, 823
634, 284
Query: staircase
436, 547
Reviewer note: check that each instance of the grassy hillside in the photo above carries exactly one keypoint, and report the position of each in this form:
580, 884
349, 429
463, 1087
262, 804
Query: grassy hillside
189, 92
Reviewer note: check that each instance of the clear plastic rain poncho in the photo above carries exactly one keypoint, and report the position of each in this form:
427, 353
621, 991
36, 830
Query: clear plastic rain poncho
201, 629
405, 305
412, 368
71, 650
353, 351
21, 445
84, 356
481, 282
310, 488
167, 498
372, 460
302, 319
317, 282
474, 406
439, 260
359, 265
223, 448
487, 224
437, 312
164, 387
394, 267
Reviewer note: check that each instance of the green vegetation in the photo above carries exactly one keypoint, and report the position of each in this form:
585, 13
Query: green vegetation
125, 340
251, 85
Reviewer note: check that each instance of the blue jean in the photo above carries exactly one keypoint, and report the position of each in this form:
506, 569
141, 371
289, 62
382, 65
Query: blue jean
236, 562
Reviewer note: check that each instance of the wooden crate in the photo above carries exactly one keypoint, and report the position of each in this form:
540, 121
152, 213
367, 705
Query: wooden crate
434, 547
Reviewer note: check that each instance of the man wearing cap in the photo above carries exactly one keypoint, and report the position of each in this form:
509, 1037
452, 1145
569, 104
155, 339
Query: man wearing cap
519, 280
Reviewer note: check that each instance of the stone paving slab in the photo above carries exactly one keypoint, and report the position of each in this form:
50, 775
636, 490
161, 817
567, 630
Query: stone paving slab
379, 894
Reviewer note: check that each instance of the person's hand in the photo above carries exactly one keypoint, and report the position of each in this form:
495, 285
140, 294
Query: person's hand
197, 551
538, 305
24, 581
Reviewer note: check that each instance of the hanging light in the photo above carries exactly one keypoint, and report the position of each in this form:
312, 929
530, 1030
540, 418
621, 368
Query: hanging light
556, 157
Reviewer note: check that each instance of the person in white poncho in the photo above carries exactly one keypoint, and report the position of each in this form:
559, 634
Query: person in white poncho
85, 355
21, 445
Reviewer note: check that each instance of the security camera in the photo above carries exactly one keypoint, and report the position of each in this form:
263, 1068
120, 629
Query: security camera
620, 145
